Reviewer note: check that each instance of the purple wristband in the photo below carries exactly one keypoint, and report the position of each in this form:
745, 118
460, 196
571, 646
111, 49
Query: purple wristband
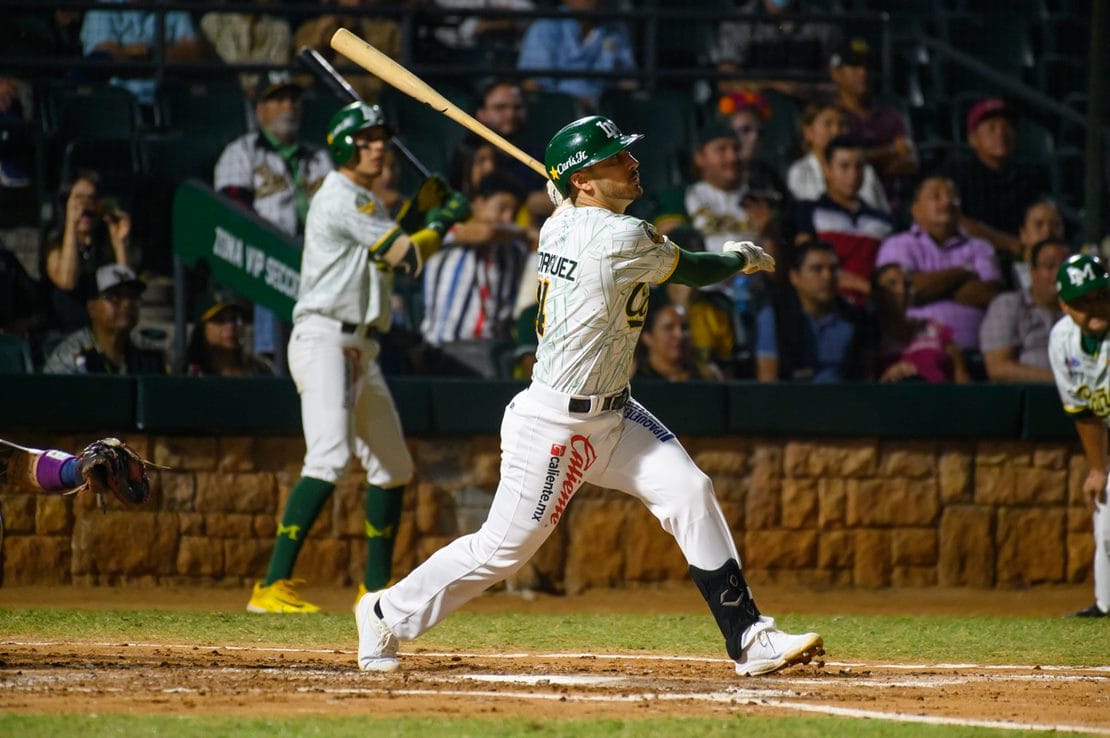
48, 470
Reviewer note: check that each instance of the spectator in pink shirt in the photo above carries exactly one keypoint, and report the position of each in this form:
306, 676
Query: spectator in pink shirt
954, 276
911, 349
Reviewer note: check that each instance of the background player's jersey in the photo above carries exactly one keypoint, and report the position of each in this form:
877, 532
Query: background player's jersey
338, 278
1082, 379
594, 268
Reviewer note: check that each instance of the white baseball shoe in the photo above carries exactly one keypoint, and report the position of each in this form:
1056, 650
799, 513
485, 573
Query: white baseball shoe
769, 649
377, 646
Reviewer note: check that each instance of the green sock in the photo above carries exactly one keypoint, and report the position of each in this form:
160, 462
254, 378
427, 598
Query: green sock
383, 511
304, 503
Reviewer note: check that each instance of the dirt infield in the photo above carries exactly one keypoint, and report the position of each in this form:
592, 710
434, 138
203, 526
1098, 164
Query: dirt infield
176, 678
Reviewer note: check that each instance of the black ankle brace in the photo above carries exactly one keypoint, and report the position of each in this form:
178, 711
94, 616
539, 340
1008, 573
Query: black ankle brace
730, 601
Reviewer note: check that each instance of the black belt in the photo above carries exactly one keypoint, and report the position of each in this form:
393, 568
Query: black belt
612, 402
354, 327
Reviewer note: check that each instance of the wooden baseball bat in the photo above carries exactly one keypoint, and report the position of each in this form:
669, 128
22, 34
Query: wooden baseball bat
326, 73
389, 71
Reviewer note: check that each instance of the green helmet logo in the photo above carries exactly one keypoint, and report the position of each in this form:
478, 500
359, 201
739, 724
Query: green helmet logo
583, 143
343, 126
1079, 275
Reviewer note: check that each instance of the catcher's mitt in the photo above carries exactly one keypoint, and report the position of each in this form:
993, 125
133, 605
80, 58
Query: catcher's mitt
110, 465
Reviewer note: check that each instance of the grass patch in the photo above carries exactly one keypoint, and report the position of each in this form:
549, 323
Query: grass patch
916, 639
132, 726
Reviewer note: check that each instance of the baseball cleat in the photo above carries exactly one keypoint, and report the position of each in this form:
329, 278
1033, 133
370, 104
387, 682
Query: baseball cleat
377, 646
771, 650
279, 597
1094, 611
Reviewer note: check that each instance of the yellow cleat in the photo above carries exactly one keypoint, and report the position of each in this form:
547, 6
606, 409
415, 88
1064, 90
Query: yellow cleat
279, 597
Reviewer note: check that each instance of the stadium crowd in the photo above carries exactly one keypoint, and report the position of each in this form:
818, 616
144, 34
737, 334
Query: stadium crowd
894, 263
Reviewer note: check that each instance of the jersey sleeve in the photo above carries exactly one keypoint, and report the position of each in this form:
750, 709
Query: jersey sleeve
639, 253
365, 222
1067, 382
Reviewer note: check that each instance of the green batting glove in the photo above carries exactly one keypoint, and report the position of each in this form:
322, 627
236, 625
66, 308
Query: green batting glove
453, 210
432, 193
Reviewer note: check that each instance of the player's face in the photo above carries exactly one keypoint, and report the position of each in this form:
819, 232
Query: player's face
500, 207
844, 172
669, 336
614, 182
828, 124
504, 110
1041, 221
370, 147
719, 163
852, 79
224, 330
1090, 312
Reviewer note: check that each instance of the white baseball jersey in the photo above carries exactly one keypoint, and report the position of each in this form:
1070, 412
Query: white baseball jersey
340, 278
251, 163
1082, 378
717, 214
594, 268
1083, 381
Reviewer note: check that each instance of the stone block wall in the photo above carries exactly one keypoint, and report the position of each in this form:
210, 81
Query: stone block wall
860, 512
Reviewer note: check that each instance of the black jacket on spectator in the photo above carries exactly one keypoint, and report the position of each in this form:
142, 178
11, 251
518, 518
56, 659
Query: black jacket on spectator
996, 197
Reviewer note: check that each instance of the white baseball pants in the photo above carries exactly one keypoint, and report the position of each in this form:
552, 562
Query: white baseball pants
345, 405
1101, 519
546, 454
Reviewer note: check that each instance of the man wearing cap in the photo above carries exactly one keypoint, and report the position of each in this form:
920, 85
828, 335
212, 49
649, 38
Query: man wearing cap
104, 346
882, 129
1078, 348
576, 422
995, 191
273, 173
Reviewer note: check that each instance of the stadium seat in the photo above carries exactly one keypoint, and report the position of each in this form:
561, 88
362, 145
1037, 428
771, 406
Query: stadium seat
1034, 143
15, 355
667, 118
1001, 41
210, 108
547, 113
1068, 169
1060, 75
91, 111
779, 140
317, 108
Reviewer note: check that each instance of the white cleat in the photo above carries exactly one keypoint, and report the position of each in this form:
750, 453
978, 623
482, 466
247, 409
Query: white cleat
377, 646
770, 649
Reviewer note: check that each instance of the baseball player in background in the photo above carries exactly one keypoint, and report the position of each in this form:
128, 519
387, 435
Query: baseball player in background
1079, 350
577, 423
351, 249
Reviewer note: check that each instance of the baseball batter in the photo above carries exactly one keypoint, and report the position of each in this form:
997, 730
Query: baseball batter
1079, 350
351, 248
577, 423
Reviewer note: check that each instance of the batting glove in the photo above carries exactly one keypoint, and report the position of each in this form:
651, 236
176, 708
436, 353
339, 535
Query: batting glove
755, 258
454, 209
432, 193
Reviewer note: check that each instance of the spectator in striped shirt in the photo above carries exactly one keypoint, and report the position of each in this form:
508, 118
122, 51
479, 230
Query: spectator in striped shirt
470, 285
841, 217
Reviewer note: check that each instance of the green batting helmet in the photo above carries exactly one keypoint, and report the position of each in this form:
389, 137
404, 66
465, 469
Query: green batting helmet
583, 143
1079, 275
352, 118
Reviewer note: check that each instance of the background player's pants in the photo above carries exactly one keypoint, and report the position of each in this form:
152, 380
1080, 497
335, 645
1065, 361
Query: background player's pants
345, 405
1102, 553
546, 454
